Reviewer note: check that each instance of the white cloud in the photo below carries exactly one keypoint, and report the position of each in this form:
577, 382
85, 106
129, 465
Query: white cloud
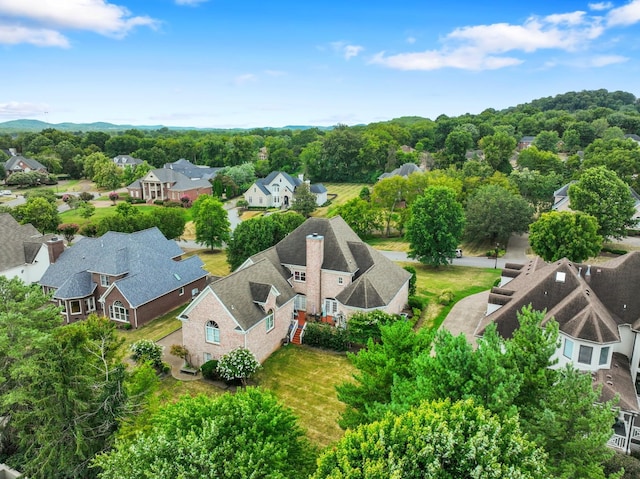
98, 16
15, 109
346, 50
411, 40
600, 6
625, 15
40, 37
605, 60
489, 47
190, 3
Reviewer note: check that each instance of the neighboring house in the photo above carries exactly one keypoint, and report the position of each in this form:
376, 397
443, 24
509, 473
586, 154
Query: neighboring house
7, 473
404, 171
130, 278
167, 184
194, 172
25, 253
561, 200
320, 270
21, 164
123, 161
597, 308
525, 142
633, 137
277, 189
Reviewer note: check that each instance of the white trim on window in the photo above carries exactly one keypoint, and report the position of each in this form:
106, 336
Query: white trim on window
74, 307
567, 351
104, 280
90, 303
299, 276
118, 312
585, 354
212, 332
269, 321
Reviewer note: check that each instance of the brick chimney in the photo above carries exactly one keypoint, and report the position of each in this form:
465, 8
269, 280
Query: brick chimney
315, 258
56, 247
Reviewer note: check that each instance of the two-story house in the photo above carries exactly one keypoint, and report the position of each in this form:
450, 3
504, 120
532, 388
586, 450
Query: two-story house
321, 270
597, 308
129, 278
277, 189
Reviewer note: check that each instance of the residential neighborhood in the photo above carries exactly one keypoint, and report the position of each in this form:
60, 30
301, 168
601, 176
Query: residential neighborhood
353, 278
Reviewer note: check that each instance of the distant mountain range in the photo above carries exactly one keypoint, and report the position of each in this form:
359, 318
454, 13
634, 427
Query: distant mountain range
37, 126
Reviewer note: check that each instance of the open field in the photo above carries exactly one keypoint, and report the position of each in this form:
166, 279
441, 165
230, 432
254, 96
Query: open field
304, 379
73, 216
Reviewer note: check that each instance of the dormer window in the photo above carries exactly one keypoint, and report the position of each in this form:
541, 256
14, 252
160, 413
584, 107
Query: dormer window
104, 280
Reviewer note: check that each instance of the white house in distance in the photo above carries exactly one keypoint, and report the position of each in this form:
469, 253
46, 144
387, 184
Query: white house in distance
276, 191
25, 253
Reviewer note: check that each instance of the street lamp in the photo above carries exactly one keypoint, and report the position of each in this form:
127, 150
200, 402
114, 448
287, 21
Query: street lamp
495, 266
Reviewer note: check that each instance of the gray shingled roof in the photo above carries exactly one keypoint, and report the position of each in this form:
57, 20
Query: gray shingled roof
590, 303
317, 188
145, 257
186, 184
405, 170
20, 243
238, 291
376, 279
126, 160
11, 163
193, 171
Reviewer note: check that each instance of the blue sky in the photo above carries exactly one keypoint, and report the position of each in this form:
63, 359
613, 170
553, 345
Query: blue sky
234, 63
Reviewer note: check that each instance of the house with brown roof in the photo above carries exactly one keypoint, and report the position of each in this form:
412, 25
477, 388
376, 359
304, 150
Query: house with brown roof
320, 271
131, 278
25, 253
597, 308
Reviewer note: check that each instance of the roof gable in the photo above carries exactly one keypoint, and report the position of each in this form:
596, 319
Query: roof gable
20, 243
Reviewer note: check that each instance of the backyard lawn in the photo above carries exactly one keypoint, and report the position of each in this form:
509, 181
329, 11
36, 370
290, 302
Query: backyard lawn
343, 191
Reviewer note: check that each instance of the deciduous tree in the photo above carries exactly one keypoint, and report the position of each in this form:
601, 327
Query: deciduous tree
435, 227
560, 234
601, 193
211, 220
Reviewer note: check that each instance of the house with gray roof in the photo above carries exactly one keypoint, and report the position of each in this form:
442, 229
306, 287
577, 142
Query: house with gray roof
597, 308
25, 253
22, 164
277, 189
130, 278
166, 184
321, 271
195, 172
123, 161
405, 170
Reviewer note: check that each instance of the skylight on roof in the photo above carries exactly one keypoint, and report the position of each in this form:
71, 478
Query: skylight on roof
177, 276
560, 276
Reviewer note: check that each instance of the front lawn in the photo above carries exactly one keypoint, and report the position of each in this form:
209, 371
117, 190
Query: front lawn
73, 216
154, 330
462, 281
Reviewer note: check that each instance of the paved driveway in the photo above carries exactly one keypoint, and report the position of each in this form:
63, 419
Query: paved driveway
465, 316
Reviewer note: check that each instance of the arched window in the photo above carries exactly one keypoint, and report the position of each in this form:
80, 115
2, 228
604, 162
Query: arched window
118, 312
212, 332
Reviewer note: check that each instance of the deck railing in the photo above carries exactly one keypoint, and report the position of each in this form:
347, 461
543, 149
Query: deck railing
292, 329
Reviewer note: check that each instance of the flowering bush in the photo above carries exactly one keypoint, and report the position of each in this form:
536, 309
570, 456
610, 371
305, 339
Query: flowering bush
68, 230
113, 196
238, 364
146, 350
66, 197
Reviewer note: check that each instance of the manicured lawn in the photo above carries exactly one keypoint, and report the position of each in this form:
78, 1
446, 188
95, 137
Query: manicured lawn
171, 389
155, 330
73, 216
344, 192
462, 281
304, 379
389, 244
215, 262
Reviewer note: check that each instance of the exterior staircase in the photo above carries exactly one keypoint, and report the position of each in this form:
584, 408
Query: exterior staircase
297, 336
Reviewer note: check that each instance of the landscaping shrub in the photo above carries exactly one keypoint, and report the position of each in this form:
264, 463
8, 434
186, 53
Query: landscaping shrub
413, 280
238, 364
90, 230
158, 202
210, 370
326, 336
445, 297
172, 204
85, 196
146, 350
630, 463
416, 302
614, 251
365, 326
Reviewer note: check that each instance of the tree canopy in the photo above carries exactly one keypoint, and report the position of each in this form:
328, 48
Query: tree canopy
435, 227
557, 235
211, 220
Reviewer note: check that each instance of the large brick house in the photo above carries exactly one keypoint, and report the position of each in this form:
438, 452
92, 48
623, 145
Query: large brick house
130, 278
22, 164
321, 270
597, 308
